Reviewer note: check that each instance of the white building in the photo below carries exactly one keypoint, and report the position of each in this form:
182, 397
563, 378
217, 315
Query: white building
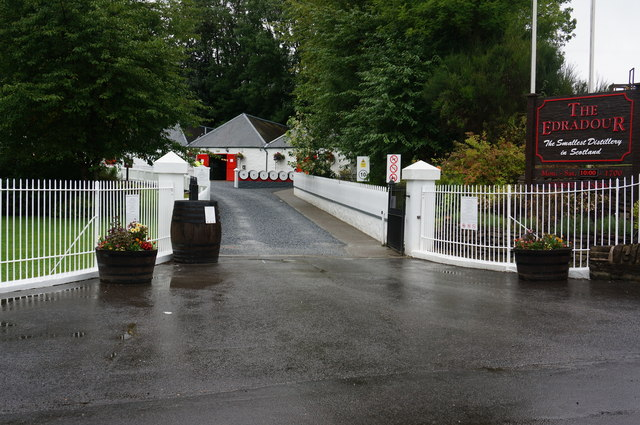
246, 142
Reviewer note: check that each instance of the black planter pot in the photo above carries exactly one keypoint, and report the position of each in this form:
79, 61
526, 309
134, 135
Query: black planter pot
543, 264
131, 267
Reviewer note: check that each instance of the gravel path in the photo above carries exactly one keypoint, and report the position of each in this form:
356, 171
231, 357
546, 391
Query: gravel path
257, 222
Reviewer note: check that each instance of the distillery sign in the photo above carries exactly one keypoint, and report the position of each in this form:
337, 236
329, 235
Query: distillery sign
596, 128
588, 137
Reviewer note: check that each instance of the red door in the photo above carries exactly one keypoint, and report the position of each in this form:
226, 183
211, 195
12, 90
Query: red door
204, 158
232, 163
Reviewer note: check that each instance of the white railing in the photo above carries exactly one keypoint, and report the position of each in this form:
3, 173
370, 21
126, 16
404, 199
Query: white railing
585, 214
49, 229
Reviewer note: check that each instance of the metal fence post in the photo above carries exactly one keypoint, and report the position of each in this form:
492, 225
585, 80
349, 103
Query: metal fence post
508, 221
97, 223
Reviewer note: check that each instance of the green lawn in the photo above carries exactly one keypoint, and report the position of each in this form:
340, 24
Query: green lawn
32, 247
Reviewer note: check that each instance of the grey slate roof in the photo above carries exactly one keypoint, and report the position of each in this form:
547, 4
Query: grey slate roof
281, 142
177, 135
243, 131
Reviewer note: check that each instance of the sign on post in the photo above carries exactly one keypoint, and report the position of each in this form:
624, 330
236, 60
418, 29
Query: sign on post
394, 172
362, 168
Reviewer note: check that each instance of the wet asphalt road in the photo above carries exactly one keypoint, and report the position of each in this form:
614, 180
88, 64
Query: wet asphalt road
323, 339
255, 222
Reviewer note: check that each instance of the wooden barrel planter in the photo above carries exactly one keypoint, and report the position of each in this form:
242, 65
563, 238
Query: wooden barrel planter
129, 267
195, 241
543, 264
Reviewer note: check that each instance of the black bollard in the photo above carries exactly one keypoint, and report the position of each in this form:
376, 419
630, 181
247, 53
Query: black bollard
193, 189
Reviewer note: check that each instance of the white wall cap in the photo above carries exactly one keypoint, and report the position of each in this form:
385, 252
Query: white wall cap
170, 163
421, 171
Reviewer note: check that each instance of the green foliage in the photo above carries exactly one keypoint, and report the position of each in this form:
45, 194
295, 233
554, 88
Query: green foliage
239, 61
547, 241
477, 161
85, 80
310, 158
380, 76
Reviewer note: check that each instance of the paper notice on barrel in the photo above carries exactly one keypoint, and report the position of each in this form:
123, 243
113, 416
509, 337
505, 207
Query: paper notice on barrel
209, 215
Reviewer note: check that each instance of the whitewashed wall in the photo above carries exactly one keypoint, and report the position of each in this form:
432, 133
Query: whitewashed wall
140, 171
362, 206
259, 159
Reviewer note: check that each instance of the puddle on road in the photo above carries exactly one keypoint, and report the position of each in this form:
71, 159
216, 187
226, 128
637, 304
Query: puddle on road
129, 333
195, 282
52, 295
28, 336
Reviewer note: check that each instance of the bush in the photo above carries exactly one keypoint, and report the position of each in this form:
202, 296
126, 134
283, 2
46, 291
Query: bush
477, 161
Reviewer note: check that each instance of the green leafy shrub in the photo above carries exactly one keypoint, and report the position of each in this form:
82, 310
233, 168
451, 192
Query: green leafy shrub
477, 161
547, 241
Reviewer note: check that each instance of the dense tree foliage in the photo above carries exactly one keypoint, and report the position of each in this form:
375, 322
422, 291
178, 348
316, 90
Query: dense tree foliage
85, 80
381, 76
240, 62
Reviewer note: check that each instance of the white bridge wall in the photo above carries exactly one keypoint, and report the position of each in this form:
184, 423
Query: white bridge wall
362, 206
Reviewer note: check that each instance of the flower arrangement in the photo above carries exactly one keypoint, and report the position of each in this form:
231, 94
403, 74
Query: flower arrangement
546, 242
278, 156
133, 238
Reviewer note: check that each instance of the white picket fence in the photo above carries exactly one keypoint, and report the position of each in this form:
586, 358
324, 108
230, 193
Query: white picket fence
477, 225
49, 229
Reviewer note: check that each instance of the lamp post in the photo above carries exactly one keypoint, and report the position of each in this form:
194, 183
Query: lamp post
592, 32
534, 38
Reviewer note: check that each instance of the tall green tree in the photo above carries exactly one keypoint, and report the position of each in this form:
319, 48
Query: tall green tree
240, 61
86, 80
411, 77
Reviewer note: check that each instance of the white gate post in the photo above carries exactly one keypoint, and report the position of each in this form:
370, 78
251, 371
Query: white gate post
202, 174
97, 219
421, 177
170, 170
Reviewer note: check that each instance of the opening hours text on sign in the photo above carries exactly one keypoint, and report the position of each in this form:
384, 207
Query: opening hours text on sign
394, 162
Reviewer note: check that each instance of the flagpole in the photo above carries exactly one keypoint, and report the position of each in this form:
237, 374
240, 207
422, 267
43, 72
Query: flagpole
592, 46
534, 39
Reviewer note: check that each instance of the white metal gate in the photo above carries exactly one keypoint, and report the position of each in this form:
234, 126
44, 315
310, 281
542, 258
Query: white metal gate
586, 214
50, 228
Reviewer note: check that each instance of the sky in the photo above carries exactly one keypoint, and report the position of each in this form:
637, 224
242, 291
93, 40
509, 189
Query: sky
617, 40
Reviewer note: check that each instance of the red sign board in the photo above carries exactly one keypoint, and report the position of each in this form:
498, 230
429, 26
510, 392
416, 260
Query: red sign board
584, 137
585, 129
